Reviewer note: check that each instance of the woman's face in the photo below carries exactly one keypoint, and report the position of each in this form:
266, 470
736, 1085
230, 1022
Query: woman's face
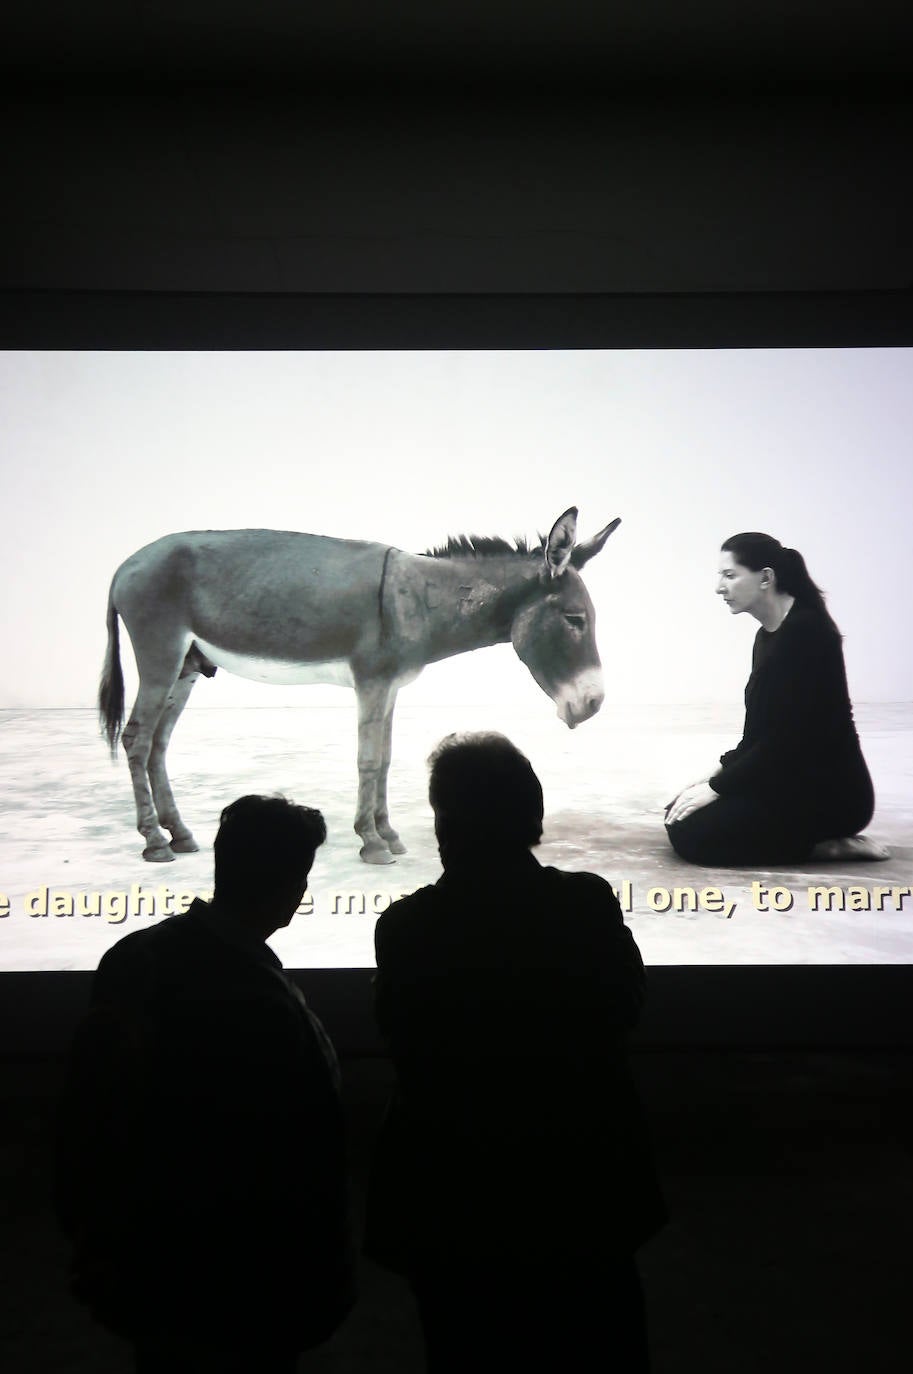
740, 588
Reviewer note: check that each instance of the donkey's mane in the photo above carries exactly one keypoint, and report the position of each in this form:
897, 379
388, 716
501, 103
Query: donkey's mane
483, 546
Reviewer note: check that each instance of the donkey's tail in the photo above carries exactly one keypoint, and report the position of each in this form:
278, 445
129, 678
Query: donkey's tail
111, 686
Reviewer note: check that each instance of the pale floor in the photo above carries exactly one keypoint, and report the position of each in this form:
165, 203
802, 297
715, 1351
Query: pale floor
67, 836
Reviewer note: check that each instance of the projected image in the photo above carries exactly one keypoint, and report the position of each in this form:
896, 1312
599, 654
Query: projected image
278, 529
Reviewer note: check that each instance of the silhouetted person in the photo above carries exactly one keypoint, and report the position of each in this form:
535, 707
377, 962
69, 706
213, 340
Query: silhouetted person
513, 1181
201, 1172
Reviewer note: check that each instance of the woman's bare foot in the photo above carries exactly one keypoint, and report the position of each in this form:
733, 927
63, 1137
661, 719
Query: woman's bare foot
853, 847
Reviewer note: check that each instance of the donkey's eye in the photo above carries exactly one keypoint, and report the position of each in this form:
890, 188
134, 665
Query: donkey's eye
576, 620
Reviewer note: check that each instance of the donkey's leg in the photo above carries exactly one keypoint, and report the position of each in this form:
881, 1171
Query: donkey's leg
381, 813
372, 712
182, 841
137, 738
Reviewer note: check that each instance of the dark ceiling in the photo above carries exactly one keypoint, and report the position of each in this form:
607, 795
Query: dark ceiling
504, 41
457, 146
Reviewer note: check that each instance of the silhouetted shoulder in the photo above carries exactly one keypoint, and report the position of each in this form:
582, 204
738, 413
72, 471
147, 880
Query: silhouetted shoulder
588, 888
592, 936
578, 889
410, 906
128, 966
139, 959
140, 945
130, 951
403, 916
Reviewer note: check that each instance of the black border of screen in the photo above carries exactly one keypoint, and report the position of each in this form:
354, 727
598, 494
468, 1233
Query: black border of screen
201, 320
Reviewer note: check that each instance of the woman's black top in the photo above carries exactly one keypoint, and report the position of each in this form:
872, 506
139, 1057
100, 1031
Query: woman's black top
799, 748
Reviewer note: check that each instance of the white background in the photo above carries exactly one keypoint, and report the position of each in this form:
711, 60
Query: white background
104, 452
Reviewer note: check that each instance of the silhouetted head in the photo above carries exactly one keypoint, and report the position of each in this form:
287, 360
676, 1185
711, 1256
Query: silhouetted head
264, 850
485, 796
771, 567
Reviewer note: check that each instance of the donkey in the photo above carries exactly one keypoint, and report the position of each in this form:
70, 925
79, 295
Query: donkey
278, 606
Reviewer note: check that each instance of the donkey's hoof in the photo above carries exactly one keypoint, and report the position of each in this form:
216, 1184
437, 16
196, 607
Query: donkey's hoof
159, 854
396, 846
376, 853
185, 845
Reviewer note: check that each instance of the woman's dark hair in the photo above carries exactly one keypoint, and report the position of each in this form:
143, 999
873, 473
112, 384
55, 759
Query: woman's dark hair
756, 551
484, 791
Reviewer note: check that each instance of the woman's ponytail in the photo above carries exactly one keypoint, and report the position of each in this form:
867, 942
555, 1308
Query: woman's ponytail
756, 551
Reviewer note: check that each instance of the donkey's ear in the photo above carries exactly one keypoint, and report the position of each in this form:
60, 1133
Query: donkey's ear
584, 552
560, 543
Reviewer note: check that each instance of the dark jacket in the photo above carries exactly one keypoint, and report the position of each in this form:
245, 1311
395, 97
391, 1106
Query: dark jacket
201, 1161
799, 747
505, 997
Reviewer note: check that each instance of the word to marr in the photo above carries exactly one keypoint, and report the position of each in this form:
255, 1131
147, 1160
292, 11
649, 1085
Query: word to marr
768, 897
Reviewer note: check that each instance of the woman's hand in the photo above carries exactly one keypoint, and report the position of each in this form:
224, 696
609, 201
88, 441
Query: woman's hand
705, 777
691, 799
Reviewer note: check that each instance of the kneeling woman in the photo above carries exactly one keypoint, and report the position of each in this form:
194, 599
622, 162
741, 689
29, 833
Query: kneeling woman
796, 786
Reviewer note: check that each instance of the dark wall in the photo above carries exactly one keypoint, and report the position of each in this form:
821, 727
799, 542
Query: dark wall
413, 189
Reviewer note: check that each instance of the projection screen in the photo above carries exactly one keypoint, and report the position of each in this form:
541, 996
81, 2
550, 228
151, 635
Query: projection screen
108, 451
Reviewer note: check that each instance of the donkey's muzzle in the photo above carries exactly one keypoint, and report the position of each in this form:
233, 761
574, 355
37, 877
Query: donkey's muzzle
581, 700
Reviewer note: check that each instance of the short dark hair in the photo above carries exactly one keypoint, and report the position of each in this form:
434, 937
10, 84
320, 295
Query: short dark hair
483, 789
264, 843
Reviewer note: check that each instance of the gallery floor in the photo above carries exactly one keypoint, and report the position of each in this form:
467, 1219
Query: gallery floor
788, 1177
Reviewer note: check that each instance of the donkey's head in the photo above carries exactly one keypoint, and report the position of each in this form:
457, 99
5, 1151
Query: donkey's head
554, 631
